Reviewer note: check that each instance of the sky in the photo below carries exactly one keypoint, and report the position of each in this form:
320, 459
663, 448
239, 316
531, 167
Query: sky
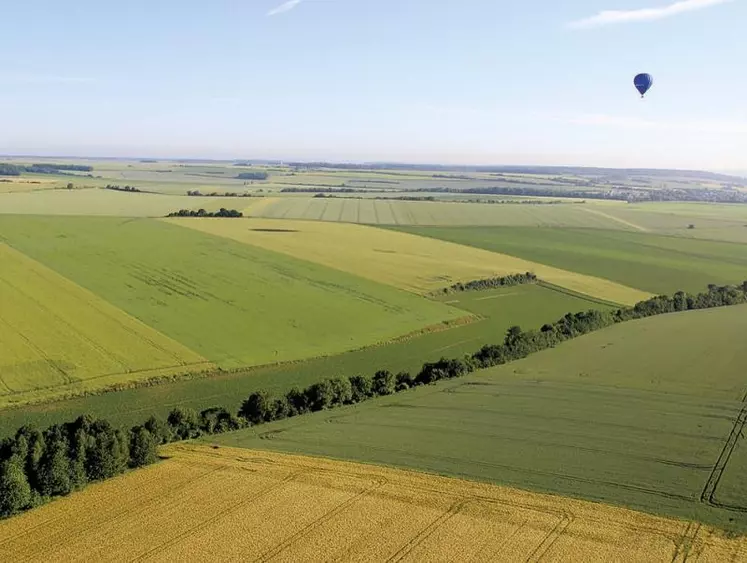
434, 81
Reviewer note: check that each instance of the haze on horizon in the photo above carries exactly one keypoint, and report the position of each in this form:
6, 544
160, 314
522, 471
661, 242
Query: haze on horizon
482, 82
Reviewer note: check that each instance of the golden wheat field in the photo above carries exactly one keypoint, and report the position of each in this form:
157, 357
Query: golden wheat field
234, 504
411, 262
57, 338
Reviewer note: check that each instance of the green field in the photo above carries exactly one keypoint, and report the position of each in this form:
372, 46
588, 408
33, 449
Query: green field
101, 202
234, 304
634, 415
388, 212
58, 339
416, 263
529, 306
659, 264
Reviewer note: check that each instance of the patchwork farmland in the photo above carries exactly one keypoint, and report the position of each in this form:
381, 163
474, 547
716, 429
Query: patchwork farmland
415, 263
57, 338
623, 444
203, 291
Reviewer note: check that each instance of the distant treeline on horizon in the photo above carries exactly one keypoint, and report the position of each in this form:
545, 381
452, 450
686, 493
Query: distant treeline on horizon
18, 169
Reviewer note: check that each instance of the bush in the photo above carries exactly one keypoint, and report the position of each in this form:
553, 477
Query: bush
362, 388
383, 383
184, 423
257, 408
403, 381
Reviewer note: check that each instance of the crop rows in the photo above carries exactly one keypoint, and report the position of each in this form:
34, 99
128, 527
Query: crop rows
242, 504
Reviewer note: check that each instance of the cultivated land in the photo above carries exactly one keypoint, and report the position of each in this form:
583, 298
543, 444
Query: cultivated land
496, 310
647, 414
232, 303
416, 263
236, 504
659, 264
388, 212
58, 339
102, 202
643, 414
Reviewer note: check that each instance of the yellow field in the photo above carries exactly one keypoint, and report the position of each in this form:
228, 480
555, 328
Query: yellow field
239, 505
19, 184
58, 339
403, 260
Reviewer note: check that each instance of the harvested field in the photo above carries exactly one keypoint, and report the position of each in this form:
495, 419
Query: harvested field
407, 261
57, 339
233, 504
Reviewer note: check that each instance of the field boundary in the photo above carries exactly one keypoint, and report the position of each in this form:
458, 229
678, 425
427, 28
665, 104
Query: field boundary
577, 294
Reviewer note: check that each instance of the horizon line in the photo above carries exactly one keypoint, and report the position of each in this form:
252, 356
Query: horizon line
284, 161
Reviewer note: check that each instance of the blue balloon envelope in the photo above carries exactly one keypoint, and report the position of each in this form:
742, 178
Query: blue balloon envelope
643, 83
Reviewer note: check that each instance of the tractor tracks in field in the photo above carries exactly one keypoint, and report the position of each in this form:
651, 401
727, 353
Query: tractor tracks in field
717, 472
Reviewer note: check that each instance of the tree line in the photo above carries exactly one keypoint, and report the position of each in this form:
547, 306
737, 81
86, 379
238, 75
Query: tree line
198, 193
491, 283
615, 193
257, 175
122, 188
18, 169
222, 212
38, 465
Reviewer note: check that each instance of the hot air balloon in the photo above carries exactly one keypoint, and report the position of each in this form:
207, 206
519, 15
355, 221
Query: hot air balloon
643, 83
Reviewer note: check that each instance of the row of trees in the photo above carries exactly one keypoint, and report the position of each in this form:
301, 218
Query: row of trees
122, 188
222, 212
18, 169
256, 175
616, 193
198, 193
491, 283
36, 466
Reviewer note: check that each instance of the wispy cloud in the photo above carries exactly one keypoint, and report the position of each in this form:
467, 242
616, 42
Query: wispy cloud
284, 7
609, 17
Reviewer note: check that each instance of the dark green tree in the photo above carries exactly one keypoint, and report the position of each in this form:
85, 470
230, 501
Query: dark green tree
184, 423
256, 408
383, 383
15, 491
54, 466
361, 388
143, 447
159, 429
403, 381
320, 395
342, 391
297, 401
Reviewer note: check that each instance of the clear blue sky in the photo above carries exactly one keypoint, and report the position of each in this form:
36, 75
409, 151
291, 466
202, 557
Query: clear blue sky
468, 81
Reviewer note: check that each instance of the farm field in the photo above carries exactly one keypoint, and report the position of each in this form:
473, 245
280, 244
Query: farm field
528, 306
235, 504
416, 263
101, 202
636, 415
659, 264
234, 304
710, 221
58, 339
389, 212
